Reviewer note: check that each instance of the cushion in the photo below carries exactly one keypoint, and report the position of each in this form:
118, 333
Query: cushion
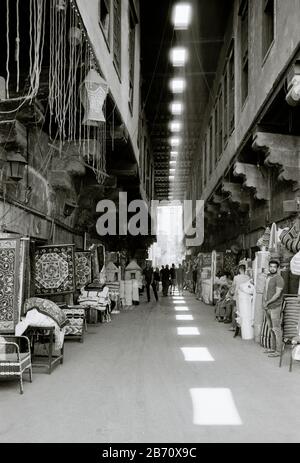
295, 264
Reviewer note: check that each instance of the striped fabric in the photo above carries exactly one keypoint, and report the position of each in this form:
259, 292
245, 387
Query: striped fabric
291, 314
291, 239
265, 334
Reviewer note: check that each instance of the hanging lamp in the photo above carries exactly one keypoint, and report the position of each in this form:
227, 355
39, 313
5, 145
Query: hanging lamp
93, 91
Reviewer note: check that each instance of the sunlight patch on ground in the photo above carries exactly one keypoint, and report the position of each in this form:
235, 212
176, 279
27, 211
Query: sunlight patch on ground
214, 407
197, 354
188, 331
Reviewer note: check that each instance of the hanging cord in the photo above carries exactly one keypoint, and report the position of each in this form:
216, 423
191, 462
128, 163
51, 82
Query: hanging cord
30, 38
37, 30
17, 53
7, 49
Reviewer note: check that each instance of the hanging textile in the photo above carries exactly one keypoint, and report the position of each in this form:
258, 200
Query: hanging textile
83, 268
229, 262
10, 282
291, 239
264, 241
273, 242
54, 270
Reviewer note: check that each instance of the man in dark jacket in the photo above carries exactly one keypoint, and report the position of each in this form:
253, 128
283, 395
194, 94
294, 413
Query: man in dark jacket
149, 280
165, 279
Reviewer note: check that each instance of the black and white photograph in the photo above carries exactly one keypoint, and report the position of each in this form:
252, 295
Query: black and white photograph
149, 225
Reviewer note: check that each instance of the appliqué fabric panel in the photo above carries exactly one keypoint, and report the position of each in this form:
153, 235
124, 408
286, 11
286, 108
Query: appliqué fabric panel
9, 284
83, 268
54, 270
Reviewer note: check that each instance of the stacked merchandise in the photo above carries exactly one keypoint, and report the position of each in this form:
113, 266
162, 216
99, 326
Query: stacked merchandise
291, 313
112, 272
98, 299
262, 331
212, 263
245, 314
129, 290
260, 266
76, 317
114, 294
206, 278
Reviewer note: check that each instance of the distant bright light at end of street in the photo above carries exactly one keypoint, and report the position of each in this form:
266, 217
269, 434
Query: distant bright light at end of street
182, 14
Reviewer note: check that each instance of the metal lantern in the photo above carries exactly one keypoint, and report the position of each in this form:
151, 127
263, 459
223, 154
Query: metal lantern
69, 208
15, 166
93, 92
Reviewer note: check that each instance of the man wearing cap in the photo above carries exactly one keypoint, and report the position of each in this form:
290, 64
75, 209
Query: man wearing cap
272, 305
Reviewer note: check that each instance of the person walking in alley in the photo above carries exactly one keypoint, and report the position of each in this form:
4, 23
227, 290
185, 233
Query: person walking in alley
156, 279
173, 279
195, 277
149, 280
180, 279
165, 279
272, 302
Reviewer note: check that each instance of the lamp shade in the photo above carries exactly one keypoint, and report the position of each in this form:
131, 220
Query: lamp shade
15, 166
93, 91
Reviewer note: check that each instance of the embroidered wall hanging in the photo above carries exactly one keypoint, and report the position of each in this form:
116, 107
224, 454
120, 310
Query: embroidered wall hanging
10, 263
54, 270
83, 268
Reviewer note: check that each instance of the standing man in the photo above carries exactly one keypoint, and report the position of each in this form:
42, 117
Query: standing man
173, 278
195, 277
165, 279
161, 272
149, 279
180, 279
272, 301
156, 279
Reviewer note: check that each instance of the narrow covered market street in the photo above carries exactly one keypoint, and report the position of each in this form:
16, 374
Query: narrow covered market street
131, 381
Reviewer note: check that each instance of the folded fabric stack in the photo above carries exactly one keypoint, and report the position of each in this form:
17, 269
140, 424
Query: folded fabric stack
291, 314
114, 290
96, 299
76, 319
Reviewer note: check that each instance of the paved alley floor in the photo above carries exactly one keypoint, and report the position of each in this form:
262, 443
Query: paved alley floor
165, 372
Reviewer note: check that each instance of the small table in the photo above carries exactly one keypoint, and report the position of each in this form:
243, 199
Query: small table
46, 333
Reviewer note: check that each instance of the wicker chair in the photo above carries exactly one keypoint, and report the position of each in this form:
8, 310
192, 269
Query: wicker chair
15, 357
290, 325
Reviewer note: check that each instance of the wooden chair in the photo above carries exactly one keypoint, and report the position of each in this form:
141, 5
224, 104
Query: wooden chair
15, 357
290, 325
